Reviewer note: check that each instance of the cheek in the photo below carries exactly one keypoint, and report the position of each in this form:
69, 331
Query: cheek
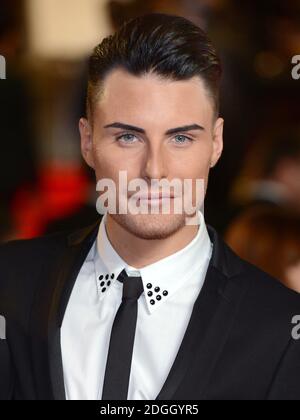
293, 277
106, 161
196, 170
199, 170
193, 164
109, 165
105, 167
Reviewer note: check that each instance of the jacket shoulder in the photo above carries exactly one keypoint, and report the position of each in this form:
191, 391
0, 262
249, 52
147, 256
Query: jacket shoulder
265, 326
266, 298
23, 258
28, 251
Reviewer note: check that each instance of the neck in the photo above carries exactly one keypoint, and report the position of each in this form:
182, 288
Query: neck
138, 252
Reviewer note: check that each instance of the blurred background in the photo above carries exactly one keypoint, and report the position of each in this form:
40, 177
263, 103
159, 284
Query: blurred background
254, 193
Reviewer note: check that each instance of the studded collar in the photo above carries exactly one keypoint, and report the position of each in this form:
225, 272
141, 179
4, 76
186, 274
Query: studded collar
162, 279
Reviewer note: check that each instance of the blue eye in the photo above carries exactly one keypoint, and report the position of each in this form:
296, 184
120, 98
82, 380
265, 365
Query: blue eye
126, 138
129, 138
184, 139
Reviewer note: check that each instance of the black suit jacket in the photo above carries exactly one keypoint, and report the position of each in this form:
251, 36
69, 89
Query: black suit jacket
238, 344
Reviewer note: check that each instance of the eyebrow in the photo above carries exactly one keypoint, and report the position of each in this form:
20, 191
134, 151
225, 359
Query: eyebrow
141, 130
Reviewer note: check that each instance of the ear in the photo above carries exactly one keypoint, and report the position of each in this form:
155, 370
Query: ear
217, 141
86, 142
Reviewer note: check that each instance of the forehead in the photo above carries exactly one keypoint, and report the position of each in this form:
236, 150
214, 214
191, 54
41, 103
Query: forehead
152, 97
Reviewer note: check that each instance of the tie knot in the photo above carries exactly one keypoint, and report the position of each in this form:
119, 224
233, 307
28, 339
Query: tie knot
132, 285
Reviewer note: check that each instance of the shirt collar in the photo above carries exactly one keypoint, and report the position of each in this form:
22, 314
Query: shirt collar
161, 279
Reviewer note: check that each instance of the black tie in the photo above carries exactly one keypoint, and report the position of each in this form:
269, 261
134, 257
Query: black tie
118, 364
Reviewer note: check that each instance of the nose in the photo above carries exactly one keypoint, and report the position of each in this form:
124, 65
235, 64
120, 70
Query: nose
155, 163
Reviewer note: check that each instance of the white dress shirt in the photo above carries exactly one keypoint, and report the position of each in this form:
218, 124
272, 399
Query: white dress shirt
161, 322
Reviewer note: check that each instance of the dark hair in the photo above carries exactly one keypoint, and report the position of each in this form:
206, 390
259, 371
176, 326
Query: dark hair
167, 45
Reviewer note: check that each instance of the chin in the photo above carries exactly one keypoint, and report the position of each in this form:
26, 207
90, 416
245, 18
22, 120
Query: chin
151, 226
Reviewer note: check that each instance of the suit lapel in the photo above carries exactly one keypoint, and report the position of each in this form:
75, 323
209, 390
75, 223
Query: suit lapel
212, 317
48, 312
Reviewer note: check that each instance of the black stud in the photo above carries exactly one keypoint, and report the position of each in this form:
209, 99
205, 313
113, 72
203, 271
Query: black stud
158, 297
108, 283
103, 290
112, 276
157, 289
149, 285
165, 292
101, 277
102, 283
106, 277
150, 293
152, 301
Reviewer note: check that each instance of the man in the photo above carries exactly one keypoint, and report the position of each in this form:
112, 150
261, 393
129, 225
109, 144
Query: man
146, 306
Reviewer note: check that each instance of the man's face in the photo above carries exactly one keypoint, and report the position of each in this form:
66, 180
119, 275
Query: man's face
155, 106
